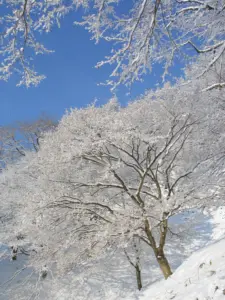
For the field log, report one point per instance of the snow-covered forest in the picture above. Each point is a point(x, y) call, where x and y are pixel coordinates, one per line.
point(118, 201)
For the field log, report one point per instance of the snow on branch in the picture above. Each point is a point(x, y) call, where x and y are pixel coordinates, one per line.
point(150, 32)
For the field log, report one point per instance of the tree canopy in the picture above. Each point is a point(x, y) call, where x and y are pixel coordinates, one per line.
point(110, 175)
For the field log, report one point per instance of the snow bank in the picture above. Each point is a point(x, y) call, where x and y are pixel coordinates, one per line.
point(200, 277)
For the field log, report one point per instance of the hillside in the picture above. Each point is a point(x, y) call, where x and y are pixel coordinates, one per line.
point(200, 277)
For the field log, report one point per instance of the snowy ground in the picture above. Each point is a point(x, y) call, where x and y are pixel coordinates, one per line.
point(200, 277)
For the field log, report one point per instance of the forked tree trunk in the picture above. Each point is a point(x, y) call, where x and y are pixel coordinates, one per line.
point(164, 265)
point(159, 250)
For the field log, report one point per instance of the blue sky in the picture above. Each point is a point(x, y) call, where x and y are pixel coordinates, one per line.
point(71, 78)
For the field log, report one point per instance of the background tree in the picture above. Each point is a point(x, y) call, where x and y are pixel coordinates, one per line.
point(33, 132)
point(24, 136)
point(18, 145)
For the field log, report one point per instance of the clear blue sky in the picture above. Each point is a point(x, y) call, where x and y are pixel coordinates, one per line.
point(71, 78)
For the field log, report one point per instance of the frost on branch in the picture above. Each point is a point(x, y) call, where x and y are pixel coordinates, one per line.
point(149, 32)
point(22, 22)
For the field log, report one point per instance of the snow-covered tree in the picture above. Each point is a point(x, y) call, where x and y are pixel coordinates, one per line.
point(32, 132)
point(149, 32)
point(16, 140)
point(109, 174)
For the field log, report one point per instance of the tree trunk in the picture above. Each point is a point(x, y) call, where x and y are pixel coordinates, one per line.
point(159, 250)
point(138, 277)
point(164, 265)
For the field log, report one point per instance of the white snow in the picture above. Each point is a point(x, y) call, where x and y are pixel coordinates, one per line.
point(218, 223)
point(200, 277)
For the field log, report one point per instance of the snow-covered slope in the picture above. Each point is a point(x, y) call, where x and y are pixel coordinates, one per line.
point(200, 277)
